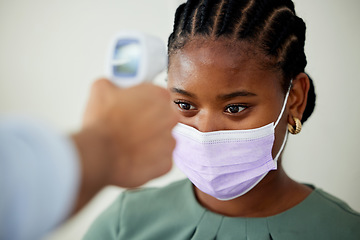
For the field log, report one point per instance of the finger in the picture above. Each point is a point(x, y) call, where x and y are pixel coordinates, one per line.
point(103, 85)
point(155, 91)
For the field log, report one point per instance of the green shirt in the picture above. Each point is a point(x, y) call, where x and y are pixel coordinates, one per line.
point(173, 213)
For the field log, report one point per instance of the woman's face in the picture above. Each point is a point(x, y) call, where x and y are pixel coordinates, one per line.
point(216, 87)
point(219, 88)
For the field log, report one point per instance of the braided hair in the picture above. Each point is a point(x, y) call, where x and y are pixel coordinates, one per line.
point(271, 26)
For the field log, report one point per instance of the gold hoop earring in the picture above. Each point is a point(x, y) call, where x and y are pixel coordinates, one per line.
point(297, 128)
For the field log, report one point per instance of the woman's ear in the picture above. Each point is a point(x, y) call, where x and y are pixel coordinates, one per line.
point(298, 97)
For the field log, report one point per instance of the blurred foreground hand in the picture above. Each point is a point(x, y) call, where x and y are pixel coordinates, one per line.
point(46, 177)
point(126, 137)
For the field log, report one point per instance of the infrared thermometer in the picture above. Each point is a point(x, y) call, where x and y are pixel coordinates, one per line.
point(135, 57)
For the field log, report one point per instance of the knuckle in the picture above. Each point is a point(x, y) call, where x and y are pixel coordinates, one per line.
point(169, 166)
point(175, 119)
point(100, 85)
point(161, 92)
point(166, 166)
point(172, 143)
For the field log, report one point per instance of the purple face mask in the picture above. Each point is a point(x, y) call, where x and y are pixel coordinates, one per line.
point(226, 164)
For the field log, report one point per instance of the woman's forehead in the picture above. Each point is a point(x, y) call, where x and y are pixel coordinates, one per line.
point(222, 53)
point(219, 65)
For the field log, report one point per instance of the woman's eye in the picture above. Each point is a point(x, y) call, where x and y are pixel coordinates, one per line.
point(185, 106)
point(232, 109)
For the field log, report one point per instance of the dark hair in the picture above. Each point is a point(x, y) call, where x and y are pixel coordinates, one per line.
point(270, 25)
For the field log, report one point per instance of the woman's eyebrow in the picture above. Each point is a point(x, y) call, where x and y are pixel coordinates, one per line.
point(235, 94)
point(183, 92)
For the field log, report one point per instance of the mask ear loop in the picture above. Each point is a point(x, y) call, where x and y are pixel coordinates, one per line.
point(278, 120)
point(284, 104)
point(281, 148)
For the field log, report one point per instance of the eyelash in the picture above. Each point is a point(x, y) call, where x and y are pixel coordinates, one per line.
point(183, 102)
point(240, 106)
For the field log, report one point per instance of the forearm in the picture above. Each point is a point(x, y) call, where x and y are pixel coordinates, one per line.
point(94, 147)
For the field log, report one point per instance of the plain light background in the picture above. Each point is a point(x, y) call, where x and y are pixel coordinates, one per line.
point(51, 52)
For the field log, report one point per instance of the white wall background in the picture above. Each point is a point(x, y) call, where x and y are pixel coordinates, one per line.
point(51, 51)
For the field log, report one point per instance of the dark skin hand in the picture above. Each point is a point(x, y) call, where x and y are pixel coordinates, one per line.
point(219, 87)
point(116, 146)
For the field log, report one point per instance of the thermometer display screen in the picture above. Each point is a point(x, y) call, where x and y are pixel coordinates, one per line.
point(126, 58)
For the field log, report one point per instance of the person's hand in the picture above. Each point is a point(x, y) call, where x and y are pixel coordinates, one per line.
point(126, 138)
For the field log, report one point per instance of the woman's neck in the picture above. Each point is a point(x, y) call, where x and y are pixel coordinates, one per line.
point(276, 193)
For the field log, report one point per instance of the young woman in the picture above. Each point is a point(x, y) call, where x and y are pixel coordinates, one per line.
point(236, 75)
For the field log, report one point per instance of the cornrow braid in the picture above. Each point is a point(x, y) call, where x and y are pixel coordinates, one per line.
point(230, 15)
point(189, 13)
point(271, 26)
point(206, 10)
